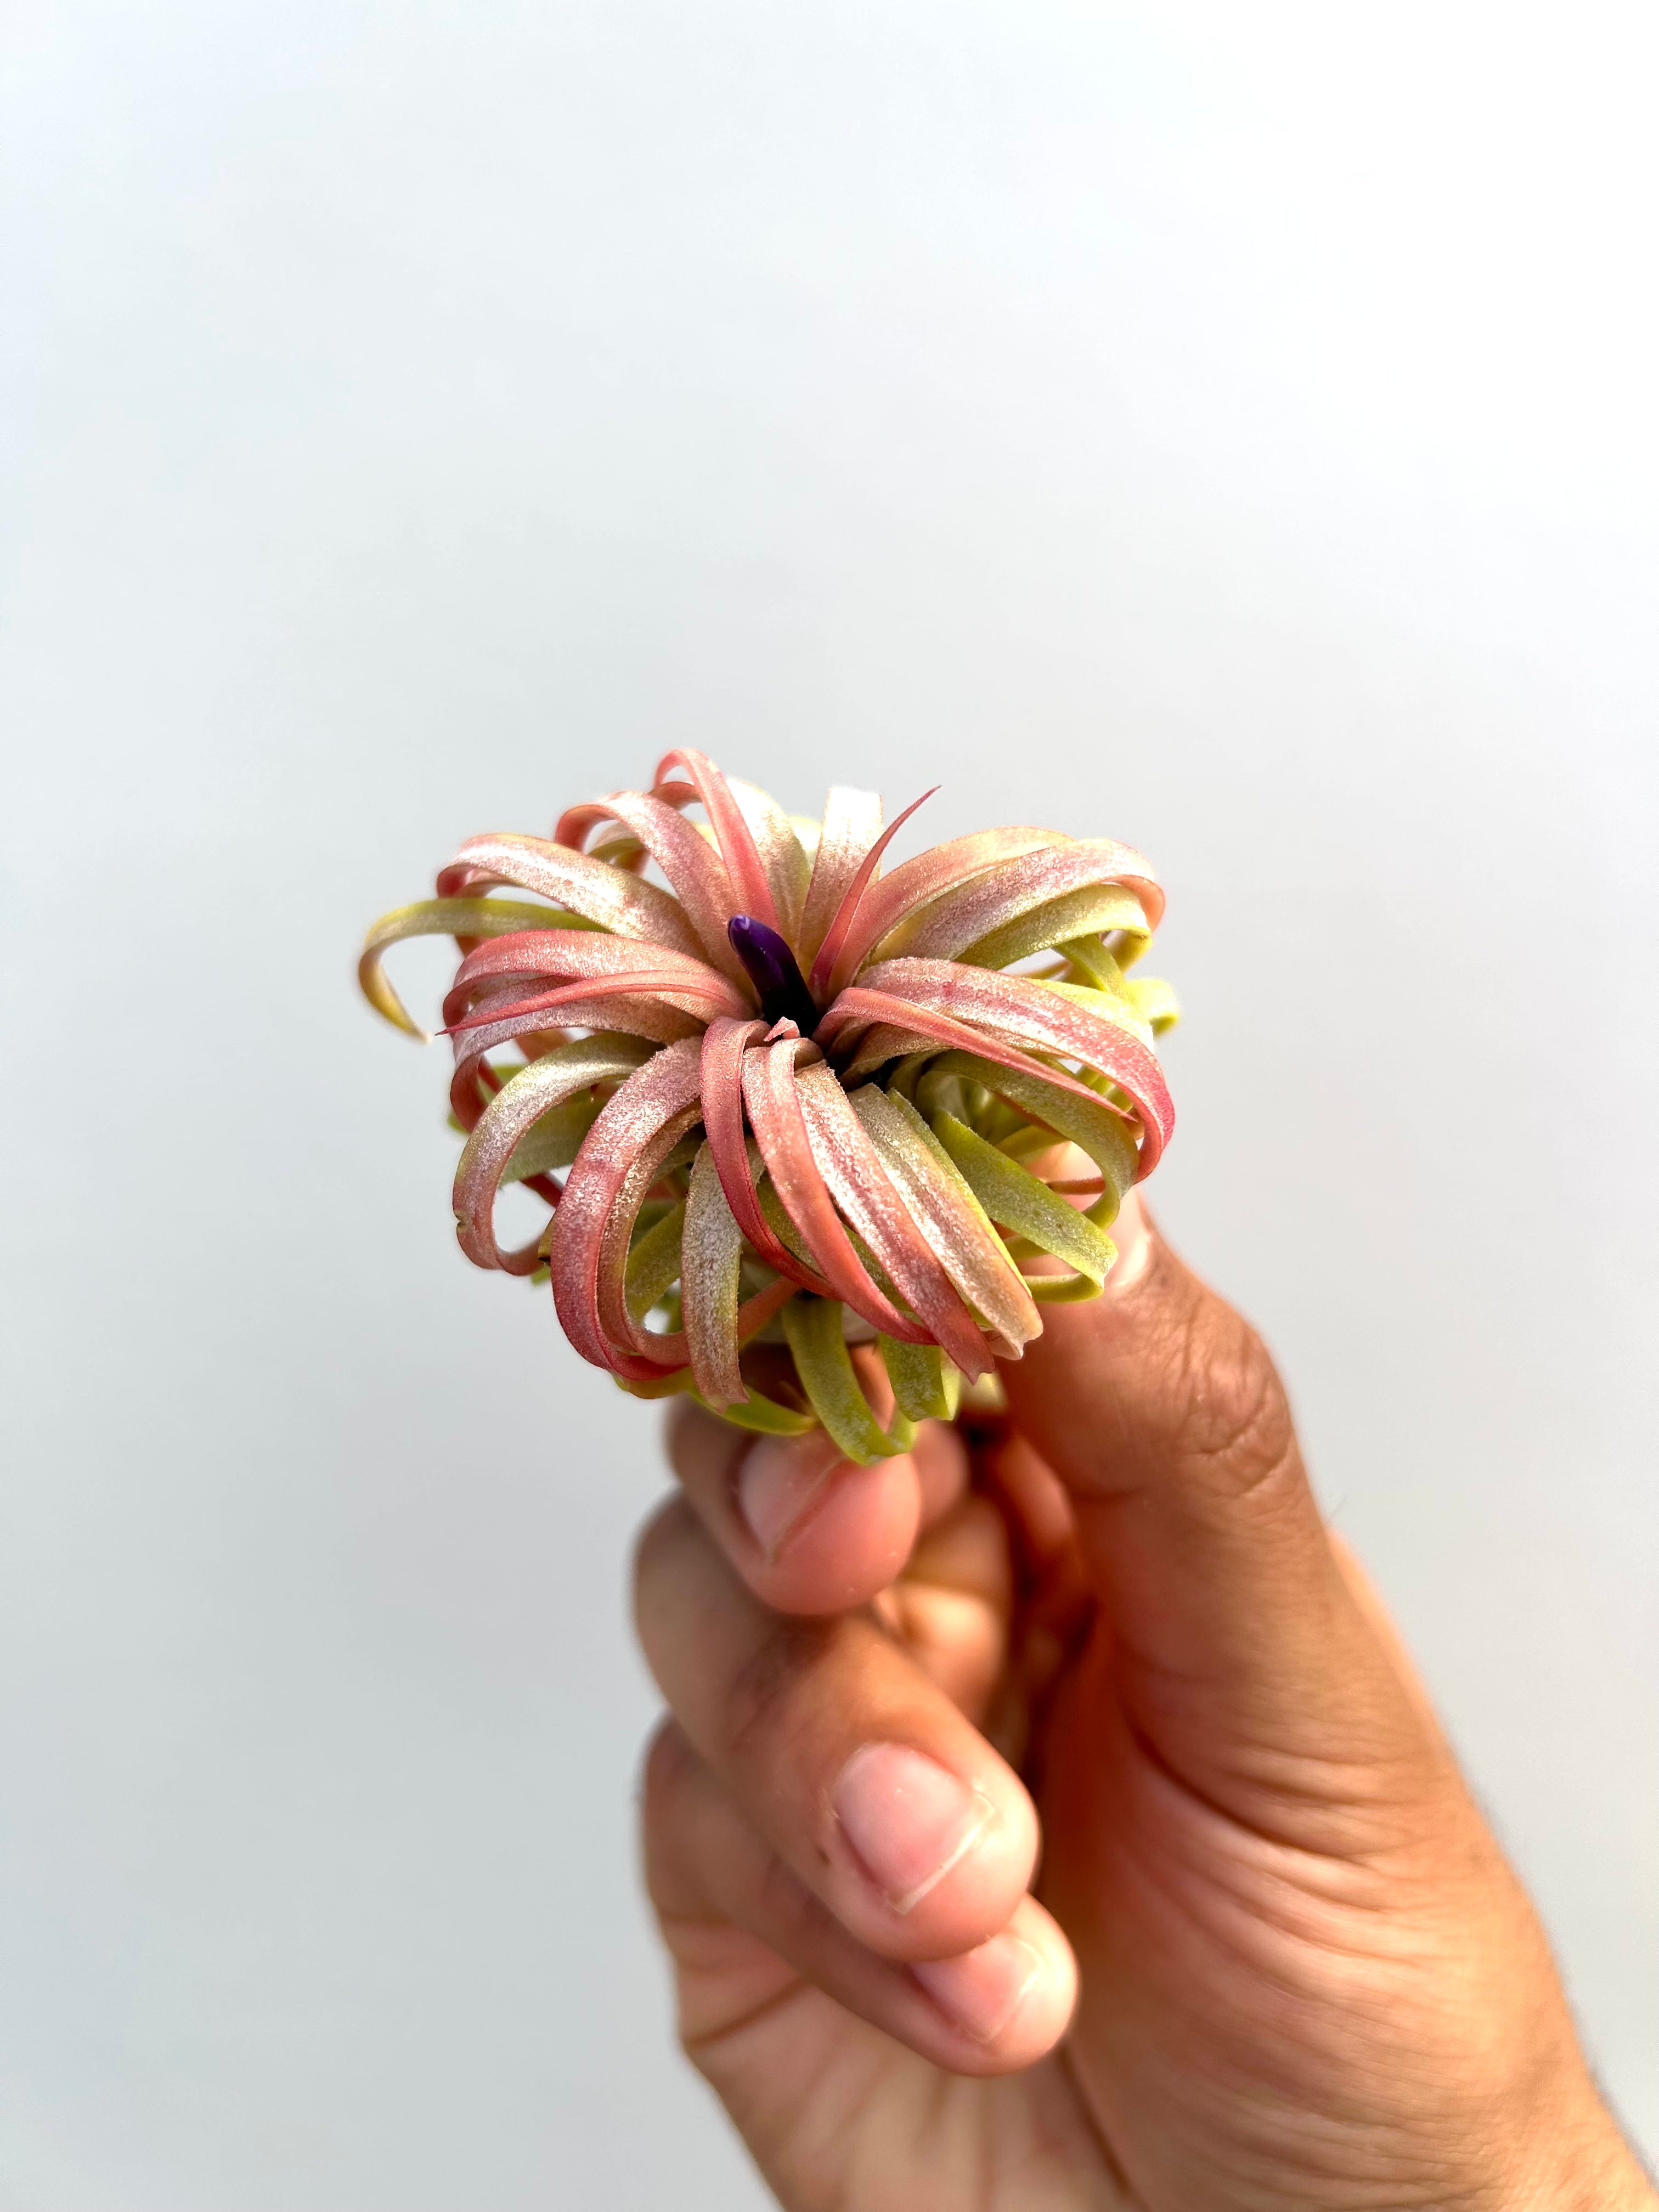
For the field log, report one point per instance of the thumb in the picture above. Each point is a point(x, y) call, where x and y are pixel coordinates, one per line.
point(1237, 1641)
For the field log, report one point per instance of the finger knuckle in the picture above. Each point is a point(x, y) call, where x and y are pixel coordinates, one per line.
point(794, 1918)
point(667, 1773)
point(658, 1550)
point(667, 1779)
point(695, 1441)
point(661, 1531)
point(1233, 1419)
point(762, 1695)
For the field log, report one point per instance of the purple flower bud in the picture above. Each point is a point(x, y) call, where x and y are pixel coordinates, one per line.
point(775, 973)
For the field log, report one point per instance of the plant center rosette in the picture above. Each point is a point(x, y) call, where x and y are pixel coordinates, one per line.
point(816, 1123)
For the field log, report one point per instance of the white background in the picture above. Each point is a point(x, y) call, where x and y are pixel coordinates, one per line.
point(1230, 428)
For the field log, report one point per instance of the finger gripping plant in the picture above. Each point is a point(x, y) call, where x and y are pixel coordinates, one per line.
point(807, 1113)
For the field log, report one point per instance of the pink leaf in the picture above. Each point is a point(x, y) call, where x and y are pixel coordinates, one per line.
point(586, 959)
point(774, 1112)
point(833, 955)
point(862, 1188)
point(635, 1015)
point(608, 895)
point(629, 1128)
point(711, 1262)
point(694, 868)
point(1022, 1013)
point(711, 1259)
point(912, 1027)
point(732, 834)
point(852, 823)
point(625, 1336)
point(914, 883)
point(571, 953)
point(529, 1094)
point(725, 1045)
point(950, 1218)
point(781, 852)
point(1013, 887)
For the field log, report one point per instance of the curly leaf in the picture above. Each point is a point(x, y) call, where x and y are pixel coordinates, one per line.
point(444, 917)
point(813, 1327)
point(1013, 1195)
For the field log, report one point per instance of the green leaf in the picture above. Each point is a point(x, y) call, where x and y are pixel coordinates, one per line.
point(1095, 1130)
point(653, 1262)
point(916, 1372)
point(761, 1413)
point(458, 917)
point(554, 1140)
point(1154, 1000)
point(1093, 908)
point(813, 1327)
point(1013, 1196)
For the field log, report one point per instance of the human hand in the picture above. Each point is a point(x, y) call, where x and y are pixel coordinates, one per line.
point(1274, 1959)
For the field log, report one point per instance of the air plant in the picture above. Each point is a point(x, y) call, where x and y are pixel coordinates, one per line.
point(818, 1121)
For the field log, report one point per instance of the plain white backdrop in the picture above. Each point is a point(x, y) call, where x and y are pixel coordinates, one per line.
point(1229, 428)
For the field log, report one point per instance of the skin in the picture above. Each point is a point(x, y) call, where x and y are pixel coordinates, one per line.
point(1273, 1961)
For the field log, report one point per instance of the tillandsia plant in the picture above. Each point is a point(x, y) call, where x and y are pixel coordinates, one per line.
point(819, 1123)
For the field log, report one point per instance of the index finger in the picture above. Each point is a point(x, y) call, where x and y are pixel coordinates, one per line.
point(809, 1531)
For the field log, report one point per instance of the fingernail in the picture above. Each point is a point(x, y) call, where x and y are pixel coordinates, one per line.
point(778, 1479)
point(981, 1992)
point(907, 1820)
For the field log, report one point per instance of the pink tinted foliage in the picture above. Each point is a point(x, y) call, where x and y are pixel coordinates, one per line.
point(728, 1061)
